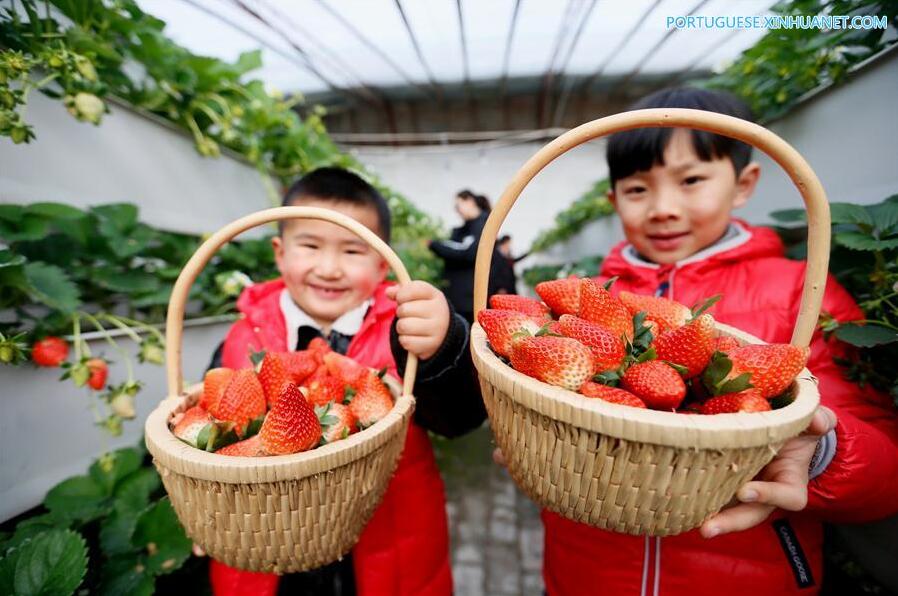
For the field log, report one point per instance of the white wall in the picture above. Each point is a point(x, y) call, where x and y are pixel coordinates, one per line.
point(431, 176)
point(127, 158)
point(848, 134)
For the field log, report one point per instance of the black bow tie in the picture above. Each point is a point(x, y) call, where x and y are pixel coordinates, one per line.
point(338, 342)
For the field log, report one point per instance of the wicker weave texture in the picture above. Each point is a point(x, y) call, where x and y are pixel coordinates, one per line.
point(286, 526)
point(279, 514)
point(628, 470)
point(616, 484)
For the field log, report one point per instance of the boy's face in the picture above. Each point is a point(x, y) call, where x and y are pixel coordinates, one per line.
point(673, 211)
point(329, 270)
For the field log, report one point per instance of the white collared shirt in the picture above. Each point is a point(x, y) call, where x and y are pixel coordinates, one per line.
point(348, 324)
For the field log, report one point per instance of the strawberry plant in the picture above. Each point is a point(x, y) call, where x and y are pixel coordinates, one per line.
point(864, 259)
point(66, 271)
point(85, 53)
point(109, 531)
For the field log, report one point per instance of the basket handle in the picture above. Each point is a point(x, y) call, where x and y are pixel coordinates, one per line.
point(784, 154)
point(174, 323)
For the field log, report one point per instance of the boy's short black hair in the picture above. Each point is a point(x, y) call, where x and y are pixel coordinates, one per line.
point(340, 186)
point(638, 150)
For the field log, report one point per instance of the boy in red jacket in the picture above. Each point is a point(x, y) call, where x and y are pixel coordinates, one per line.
point(674, 190)
point(332, 285)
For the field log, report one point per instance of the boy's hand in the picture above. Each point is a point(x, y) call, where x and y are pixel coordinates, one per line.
point(783, 483)
point(422, 317)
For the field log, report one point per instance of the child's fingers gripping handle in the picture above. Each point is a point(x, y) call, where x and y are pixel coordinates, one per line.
point(174, 323)
point(784, 154)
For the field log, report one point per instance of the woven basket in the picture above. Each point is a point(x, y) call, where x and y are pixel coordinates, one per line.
point(286, 513)
point(629, 470)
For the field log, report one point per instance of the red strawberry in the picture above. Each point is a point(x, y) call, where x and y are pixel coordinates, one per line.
point(524, 304)
point(274, 375)
point(50, 351)
point(99, 370)
point(668, 314)
point(501, 325)
point(372, 402)
point(318, 347)
point(560, 361)
point(773, 367)
point(251, 447)
point(301, 365)
point(214, 385)
point(607, 349)
point(291, 425)
point(597, 305)
point(190, 424)
point(343, 368)
point(325, 390)
point(243, 400)
point(656, 383)
point(612, 394)
point(337, 421)
point(561, 295)
point(725, 343)
point(749, 400)
point(690, 346)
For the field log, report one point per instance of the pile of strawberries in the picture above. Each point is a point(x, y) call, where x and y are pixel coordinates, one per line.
point(639, 351)
point(295, 402)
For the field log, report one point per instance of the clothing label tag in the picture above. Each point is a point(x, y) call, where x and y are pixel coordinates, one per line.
point(799, 563)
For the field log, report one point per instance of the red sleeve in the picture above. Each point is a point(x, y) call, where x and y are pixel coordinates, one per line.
point(861, 482)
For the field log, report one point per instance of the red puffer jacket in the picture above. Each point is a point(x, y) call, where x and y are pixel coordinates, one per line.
point(404, 549)
point(761, 291)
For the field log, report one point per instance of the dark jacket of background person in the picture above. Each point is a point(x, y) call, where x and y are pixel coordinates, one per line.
point(459, 253)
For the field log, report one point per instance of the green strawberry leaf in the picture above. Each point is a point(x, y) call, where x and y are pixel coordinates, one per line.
point(789, 215)
point(202, 438)
point(348, 394)
point(254, 426)
point(222, 435)
point(677, 367)
point(131, 498)
point(610, 378)
point(79, 498)
point(31, 527)
point(849, 213)
point(115, 466)
point(642, 333)
point(159, 533)
point(649, 354)
point(698, 311)
point(53, 562)
point(717, 370)
point(382, 373)
point(56, 211)
point(127, 574)
point(50, 285)
point(740, 383)
point(866, 336)
point(256, 357)
point(608, 284)
point(324, 415)
point(543, 332)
